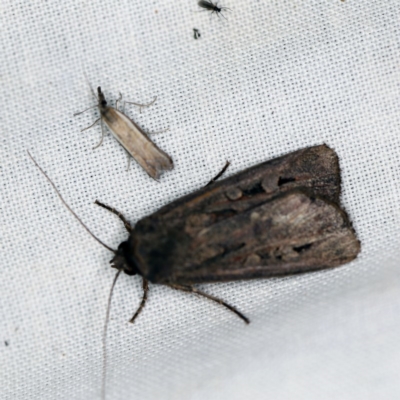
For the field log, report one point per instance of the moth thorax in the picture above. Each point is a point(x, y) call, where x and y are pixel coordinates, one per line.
point(102, 100)
point(123, 261)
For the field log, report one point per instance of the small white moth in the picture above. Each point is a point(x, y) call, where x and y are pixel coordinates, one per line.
point(146, 153)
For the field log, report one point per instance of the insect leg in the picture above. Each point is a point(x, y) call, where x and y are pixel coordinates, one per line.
point(158, 132)
point(117, 213)
point(129, 161)
point(219, 173)
point(191, 289)
point(222, 15)
point(119, 99)
point(91, 126)
point(145, 285)
point(142, 105)
point(102, 136)
point(81, 112)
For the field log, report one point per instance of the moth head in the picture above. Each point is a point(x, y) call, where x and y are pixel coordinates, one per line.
point(123, 260)
point(102, 99)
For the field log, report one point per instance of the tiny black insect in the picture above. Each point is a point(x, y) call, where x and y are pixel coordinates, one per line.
point(196, 33)
point(208, 5)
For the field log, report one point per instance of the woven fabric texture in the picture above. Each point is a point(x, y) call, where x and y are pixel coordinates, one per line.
point(273, 77)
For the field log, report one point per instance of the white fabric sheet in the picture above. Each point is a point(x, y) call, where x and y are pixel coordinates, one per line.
point(274, 77)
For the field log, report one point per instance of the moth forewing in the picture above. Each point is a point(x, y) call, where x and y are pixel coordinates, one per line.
point(291, 233)
point(220, 231)
point(313, 168)
point(138, 145)
point(151, 158)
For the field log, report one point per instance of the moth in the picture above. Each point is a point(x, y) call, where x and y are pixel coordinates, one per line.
point(277, 218)
point(132, 138)
point(208, 5)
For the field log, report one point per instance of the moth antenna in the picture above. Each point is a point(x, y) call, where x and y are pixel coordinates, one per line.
point(191, 289)
point(103, 382)
point(91, 89)
point(90, 86)
point(67, 206)
point(145, 285)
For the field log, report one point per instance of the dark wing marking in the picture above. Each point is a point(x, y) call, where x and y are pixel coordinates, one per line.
point(313, 168)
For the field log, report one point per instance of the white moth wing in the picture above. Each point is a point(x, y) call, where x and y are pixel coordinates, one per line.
point(151, 158)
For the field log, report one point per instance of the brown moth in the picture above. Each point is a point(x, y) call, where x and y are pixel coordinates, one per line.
point(277, 218)
point(136, 142)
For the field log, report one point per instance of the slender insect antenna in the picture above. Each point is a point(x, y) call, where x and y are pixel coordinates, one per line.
point(94, 95)
point(90, 86)
point(67, 206)
point(103, 383)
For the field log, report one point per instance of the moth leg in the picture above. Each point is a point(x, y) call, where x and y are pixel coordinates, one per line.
point(81, 112)
point(118, 100)
point(219, 173)
point(145, 285)
point(129, 161)
point(142, 105)
point(191, 289)
point(102, 137)
point(91, 126)
point(156, 133)
point(127, 225)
